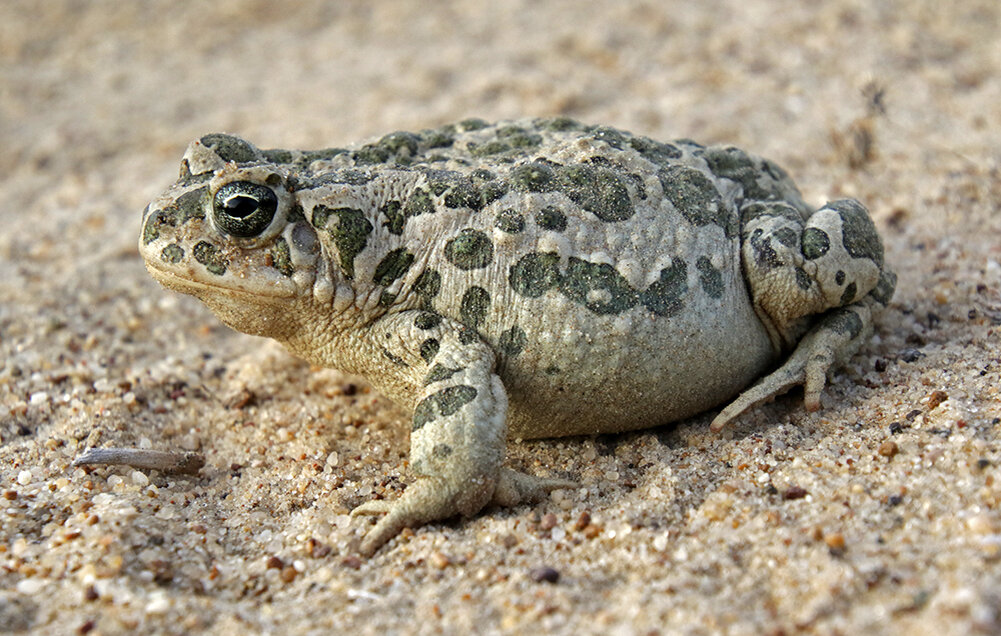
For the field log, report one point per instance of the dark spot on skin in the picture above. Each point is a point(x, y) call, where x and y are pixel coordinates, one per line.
point(474, 306)
point(610, 136)
point(277, 155)
point(786, 236)
point(464, 194)
point(441, 451)
point(736, 165)
point(532, 177)
point(512, 341)
point(429, 349)
point(471, 249)
point(393, 211)
point(883, 291)
point(493, 191)
point(350, 233)
point(395, 359)
point(844, 321)
point(427, 286)
point(758, 209)
point(849, 294)
point(304, 238)
point(816, 243)
point(710, 277)
point(440, 138)
point(295, 214)
point(419, 203)
point(230, 148)
point(371, 154)
point(552, 370)
point(493, 147)
point(803, 279)
point(764, 254)
point(400, 143)
point(467, 336)
point(550, 218)
point(839, 277)
point(664, 297)
point(281, 258)
point(655, 151)
point(190, 205)
point(211, 257)
point(427, 320)
point(438, 373)
point(558, 124)
point(696, 198)
point(386, 299)
point(444, 403)
point(392, 266)
point(510, 221)
point(534, 274)
point(325, 154)
point(858, 231)
point(600, 191)
point(583, 279)
point(473, 123)
point(173, 253)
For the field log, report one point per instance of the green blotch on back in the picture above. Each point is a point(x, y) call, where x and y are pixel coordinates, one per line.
point(534, 274)
point(392, 266)
point(883, 291)
point(471, 249)
point(696, 198)
point(474, 306)
point(419, 203)
point(349, 233)
point(600, 191)
point(393, 211)
point(664, 297)
point(551, 218)
point(532, 177)
point(509, 221)
point(211, 257)
point(427, 286)
point(710, 277)
point(281, 258)
point(597, 286)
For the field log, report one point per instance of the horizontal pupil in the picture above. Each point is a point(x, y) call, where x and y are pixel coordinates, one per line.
point(240, 206)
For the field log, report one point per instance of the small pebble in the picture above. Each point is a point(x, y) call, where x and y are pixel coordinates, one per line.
point(544, 574)
point(794, 492)
point(288, 574)
point(274, 563)
point(548, 521)
point(936, 398)
point(888, 448)
point(835, 541)
point(582, 521)
point(24, 477)
point(439, 560)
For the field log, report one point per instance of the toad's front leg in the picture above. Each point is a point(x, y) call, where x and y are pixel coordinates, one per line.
point(459, 426)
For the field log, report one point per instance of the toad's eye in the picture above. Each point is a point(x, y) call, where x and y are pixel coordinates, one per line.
point(243, 208)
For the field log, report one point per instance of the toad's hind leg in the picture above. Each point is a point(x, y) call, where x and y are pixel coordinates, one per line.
point(816, 285)
point(459, 428)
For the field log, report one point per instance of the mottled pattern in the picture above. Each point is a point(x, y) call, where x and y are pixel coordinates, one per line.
point(530, 278)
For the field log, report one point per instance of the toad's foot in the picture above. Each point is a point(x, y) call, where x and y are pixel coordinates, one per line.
point(832, 341)
point(433, 498)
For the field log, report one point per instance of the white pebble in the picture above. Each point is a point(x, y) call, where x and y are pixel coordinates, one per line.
point(39, 398)
point(139, 478)
point(24, 477)
point(30, 586)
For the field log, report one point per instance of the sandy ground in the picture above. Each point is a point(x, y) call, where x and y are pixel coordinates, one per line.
point(881, 513)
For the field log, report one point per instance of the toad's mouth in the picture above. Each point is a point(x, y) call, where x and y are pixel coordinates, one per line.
point(270, 293)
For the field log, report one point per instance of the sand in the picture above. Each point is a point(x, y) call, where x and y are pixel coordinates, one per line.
point(880, 513)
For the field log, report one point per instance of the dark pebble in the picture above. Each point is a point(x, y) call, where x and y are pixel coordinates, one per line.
point(911, 355)
point(796, 492)
point(544, 575)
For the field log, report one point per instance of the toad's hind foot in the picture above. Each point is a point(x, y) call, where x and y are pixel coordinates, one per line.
point(832, 341)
